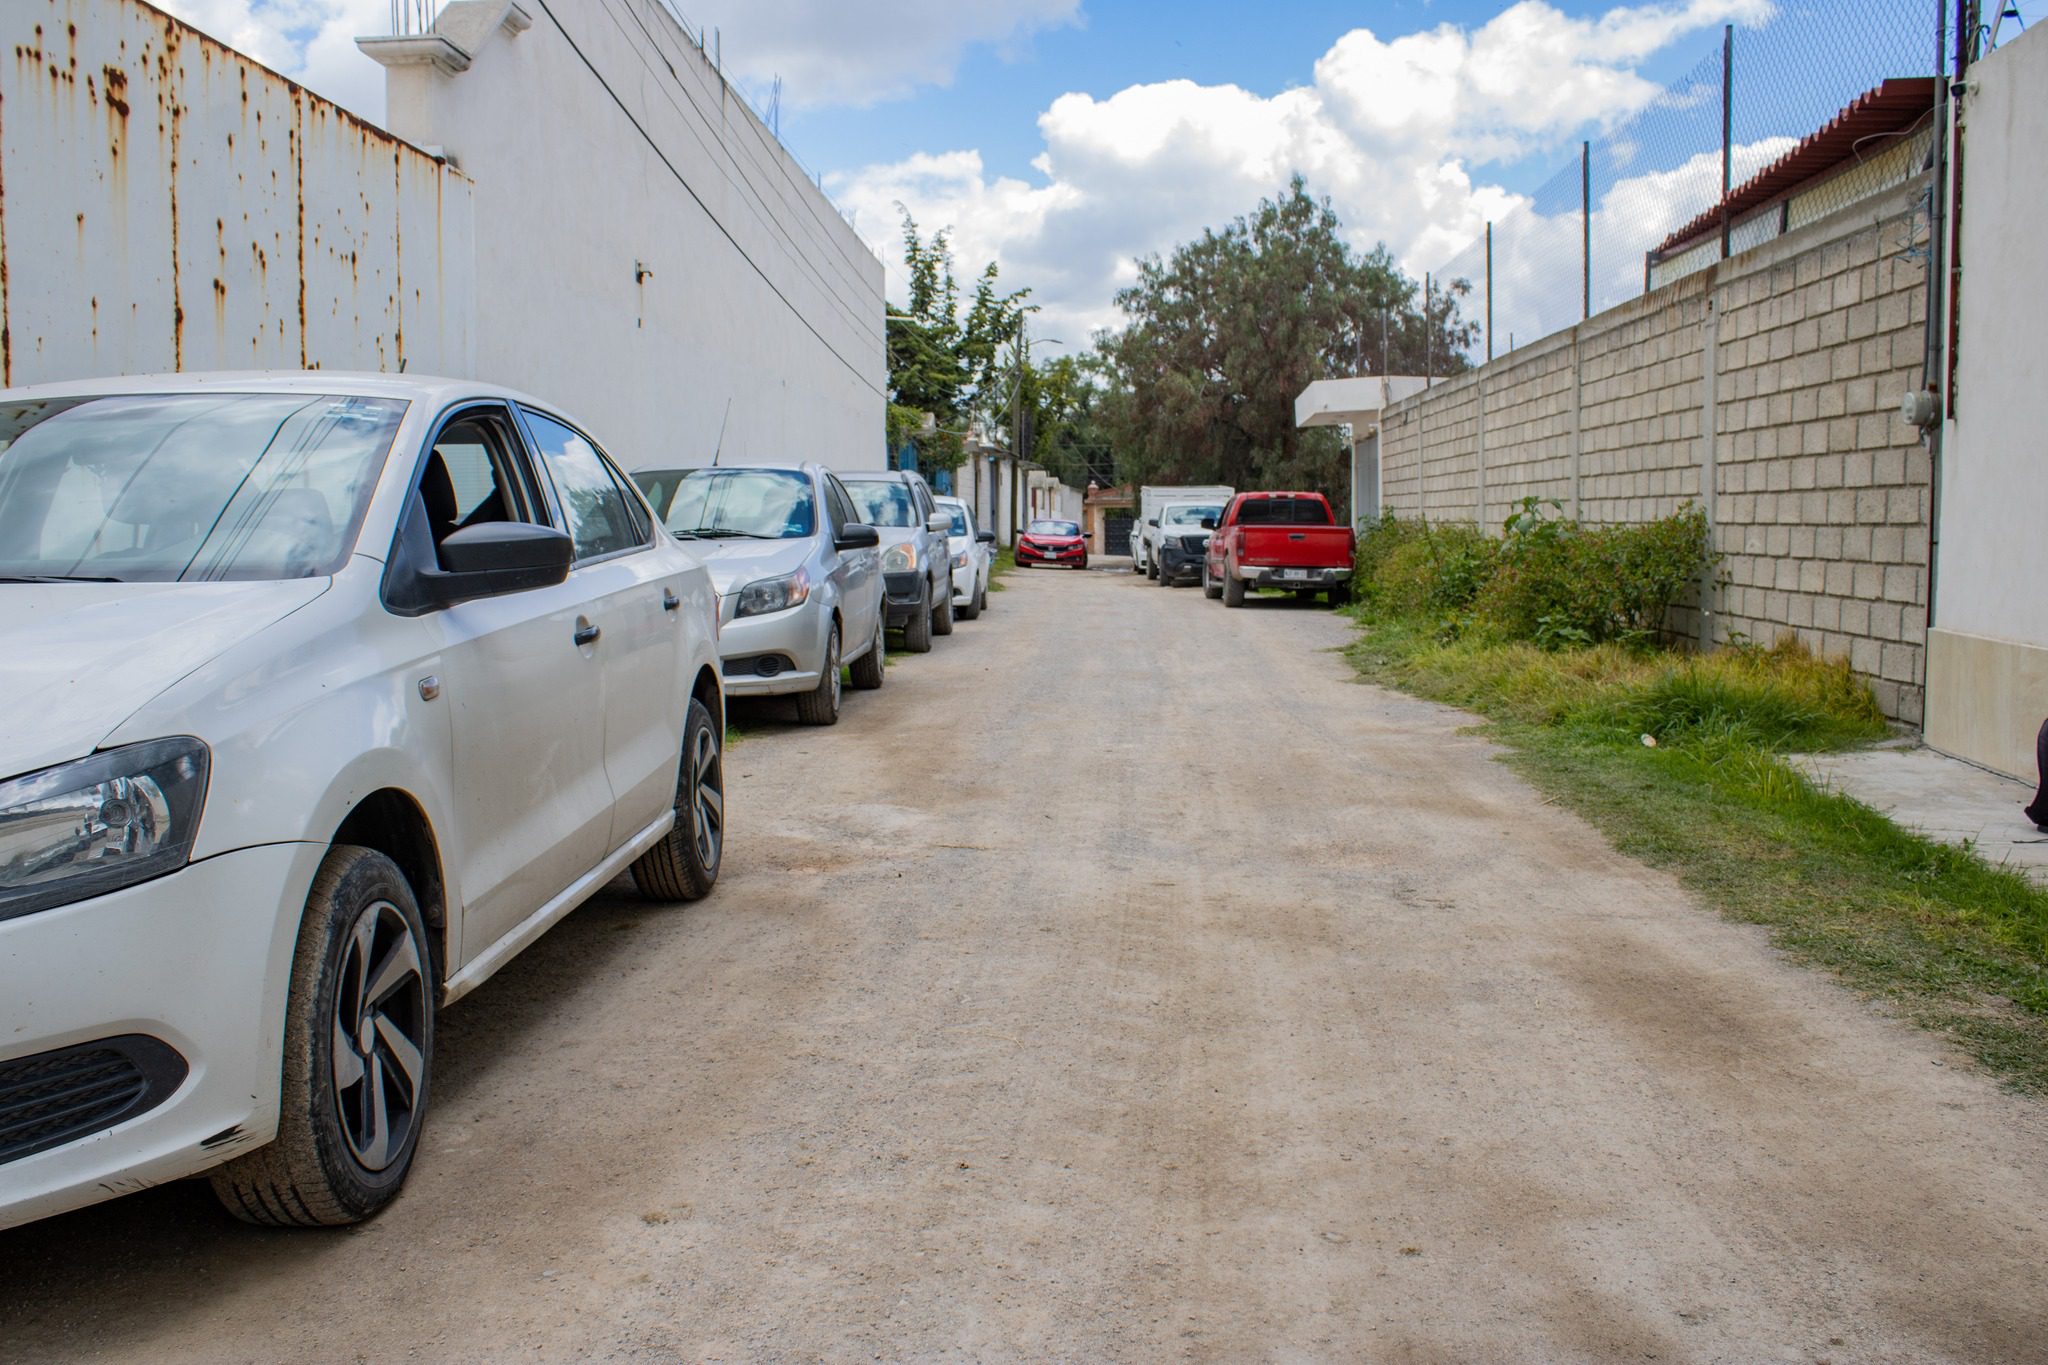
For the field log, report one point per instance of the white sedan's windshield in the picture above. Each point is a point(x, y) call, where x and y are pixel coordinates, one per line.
point(958, 516)
point(187, 487)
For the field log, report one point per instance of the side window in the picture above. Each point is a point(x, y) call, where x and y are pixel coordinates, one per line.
point(835, 515)
point(601, 519)
point(844, 513)
point(476, 472)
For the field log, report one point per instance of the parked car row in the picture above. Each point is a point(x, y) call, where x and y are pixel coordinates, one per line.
point(334, 692)
point(813, 568)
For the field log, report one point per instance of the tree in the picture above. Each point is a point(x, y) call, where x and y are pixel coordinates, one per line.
point(1222, 336)
point(941, 364)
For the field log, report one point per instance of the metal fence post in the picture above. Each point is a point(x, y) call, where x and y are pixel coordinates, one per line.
point(1727, 132)
point(1489, 292)
point(1586, 227)
point(1428, 341)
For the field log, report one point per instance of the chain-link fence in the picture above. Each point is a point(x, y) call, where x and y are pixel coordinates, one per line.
point(1822, 104)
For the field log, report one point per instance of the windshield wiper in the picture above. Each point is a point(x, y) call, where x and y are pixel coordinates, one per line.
point(56, 578)
point(717, 532)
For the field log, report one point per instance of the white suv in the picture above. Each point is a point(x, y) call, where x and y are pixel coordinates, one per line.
point(331, 694)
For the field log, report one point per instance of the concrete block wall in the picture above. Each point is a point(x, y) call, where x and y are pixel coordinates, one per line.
point(1824, 494)
point(1764, 390)
point(1529, 427)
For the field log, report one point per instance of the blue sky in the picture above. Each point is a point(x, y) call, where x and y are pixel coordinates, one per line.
point(993, 100)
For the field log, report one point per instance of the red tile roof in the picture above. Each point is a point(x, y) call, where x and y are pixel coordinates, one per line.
point(1891, 107)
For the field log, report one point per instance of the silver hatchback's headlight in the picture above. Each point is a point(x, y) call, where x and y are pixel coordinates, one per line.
point(900, 559)
point(773, 594)
point(83, 829)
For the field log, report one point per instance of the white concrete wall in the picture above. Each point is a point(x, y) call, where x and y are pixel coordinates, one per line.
point(603, 143)
point(170, 205)
point(1988, 663)
point(1994, 468)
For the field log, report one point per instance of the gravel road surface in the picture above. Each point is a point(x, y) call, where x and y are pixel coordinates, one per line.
point(1125, 982)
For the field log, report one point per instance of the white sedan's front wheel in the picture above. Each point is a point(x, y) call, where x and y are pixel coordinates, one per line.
point(684, 865)
point(358, 1050)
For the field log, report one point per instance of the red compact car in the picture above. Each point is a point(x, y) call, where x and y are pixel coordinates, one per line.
point(1052, 542)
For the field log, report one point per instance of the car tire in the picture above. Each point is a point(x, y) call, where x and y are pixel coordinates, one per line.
point(820, 705)
point(684, 865)
point(870, 668)
point(1209, 588)
point(1233, 590)
point(1164, 578)
point(942, 611)
point(982, 601)
point(970, 611)
point(917, 630)
point(343, 1149)
point(1340, 596)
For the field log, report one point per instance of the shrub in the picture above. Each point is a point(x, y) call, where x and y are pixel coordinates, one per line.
point(1411, 568)
point(1560, 583)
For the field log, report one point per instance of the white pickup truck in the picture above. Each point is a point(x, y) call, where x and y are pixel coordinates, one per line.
point(1153, 503)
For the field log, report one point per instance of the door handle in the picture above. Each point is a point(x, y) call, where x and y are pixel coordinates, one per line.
point(669, 601)
point(586, 633)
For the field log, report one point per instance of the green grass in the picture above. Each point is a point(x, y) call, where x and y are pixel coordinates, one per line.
point(1005, 562)
point(1951, 942)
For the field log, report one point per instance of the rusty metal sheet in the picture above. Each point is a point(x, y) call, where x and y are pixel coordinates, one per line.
point(167, 204)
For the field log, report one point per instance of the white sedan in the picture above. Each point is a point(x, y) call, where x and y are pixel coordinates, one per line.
point(331, 693)
point(971, 552)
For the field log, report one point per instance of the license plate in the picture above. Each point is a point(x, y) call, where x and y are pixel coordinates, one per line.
point(1294, 573)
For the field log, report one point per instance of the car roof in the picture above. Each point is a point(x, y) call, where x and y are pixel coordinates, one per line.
point(771, 466)
point(353, 383)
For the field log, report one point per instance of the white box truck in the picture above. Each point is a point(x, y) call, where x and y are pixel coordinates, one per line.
point(1152, 501)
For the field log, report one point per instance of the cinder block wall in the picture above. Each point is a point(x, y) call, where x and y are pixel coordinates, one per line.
point(1766, 391)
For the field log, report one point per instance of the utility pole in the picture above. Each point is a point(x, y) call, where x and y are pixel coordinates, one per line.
point(1017, 440)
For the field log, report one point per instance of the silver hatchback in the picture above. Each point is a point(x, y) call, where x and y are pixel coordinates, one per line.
point(798, 576)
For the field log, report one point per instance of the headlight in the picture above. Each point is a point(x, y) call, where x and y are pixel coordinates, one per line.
point(960, 560)
point(83, 829)
point(773, 594)
point(900, 559)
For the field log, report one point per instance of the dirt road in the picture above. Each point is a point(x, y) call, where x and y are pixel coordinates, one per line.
point(1328, 1041)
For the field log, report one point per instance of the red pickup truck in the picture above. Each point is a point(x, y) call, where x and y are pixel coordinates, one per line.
point(1279, 540)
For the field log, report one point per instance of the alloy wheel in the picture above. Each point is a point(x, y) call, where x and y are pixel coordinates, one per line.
point(380, 1022)
point(706, 788)
point(832, 666)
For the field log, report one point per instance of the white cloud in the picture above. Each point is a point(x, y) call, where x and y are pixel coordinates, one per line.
point(1387, 130)
point(311, 41)
point(829, 52)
